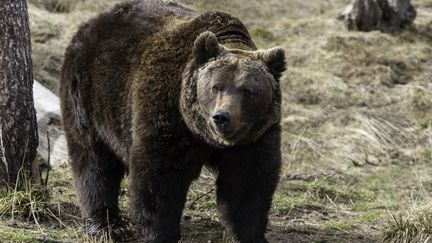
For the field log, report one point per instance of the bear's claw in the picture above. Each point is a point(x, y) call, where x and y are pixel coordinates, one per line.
point(114, 228)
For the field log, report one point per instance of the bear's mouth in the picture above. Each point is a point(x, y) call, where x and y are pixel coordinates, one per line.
point(230, 135)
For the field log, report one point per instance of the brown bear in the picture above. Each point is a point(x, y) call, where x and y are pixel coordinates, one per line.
point(152, 89)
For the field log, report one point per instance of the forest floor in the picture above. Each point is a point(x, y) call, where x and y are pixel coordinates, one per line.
point(357, 129)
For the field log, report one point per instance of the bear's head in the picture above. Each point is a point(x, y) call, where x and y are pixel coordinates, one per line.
point(231, 96)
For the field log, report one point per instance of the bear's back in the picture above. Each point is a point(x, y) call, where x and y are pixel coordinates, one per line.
point(95, 83)
point(117, 34)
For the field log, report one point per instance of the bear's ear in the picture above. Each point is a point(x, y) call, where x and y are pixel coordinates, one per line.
point(206, 46)
point(274, 58)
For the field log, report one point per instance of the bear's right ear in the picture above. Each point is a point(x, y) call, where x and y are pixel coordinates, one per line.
point(274, 58)
point(206, 46)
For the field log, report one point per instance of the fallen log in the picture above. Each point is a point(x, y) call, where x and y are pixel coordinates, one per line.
point(52, 143)
point(383, 15)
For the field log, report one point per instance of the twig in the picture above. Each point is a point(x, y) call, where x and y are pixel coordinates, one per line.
point(192, 204)
point(48, 161)
point(32, 209)
point(57, 218)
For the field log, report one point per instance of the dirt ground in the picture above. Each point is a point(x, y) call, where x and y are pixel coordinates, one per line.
point(357, 127)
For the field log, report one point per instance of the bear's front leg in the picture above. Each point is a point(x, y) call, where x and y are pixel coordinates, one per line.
point(247, 178)
point(160, 175)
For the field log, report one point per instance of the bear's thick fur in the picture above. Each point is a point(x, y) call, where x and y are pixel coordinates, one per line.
point(151, 88)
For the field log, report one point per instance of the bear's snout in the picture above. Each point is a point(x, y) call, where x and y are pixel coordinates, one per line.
point(221, 118)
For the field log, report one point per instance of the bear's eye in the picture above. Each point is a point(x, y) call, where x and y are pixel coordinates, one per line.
point(216, 88)
point(246, 92)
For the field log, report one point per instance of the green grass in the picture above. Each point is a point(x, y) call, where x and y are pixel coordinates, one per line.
point(9, 234)
point(370, 217)
point(360, 207)
point(336, 225)
point(259, 32)
point(283, 204)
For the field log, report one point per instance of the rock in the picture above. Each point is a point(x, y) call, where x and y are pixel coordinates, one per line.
point(47, 106)
point(383, 15)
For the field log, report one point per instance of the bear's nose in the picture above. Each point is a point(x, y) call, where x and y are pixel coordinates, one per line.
point(221, 119)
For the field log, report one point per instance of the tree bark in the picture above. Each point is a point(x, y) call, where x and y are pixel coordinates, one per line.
point(383, 15)
point(18, 128)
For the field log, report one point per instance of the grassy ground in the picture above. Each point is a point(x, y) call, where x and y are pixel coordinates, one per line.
point(357, 128)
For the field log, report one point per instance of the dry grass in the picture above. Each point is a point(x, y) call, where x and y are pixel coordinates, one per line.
point(414, 226)
point(56, 6)
point(52, 31)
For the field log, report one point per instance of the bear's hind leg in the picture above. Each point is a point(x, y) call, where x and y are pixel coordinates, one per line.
point(97, 175)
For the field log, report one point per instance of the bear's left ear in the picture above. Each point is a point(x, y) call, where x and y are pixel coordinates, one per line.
point(274, 58)
point(206, 46)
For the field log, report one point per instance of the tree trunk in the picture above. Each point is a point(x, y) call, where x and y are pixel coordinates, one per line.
point(383, 15)
point(18, 129)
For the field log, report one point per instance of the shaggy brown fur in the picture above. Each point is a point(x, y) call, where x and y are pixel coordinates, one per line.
point(138, 94)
